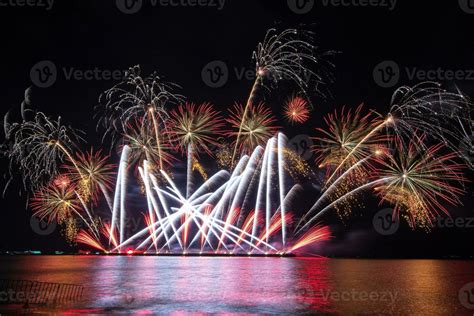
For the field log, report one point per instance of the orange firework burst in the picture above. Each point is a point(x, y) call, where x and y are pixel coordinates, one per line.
point(255, 130)
point(316, 234)
point(296, 110)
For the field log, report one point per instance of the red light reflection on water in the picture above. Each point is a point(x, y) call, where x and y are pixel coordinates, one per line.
point(141, 284)
point(212, 284)
point(164, 285)
point(312, 279)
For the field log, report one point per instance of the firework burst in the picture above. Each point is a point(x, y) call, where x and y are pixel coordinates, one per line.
point(257, 128)
point(284, 56)
point(196, 127)
point(141, 139)
point(420, 184)
point(135, 99)
point(287, 55)
point(37, 147)
point(193, 129)
point(55, 203)
point(442, 116)
point(62, 181)
point(345, 141)
point(296, 110)
point(93, 174)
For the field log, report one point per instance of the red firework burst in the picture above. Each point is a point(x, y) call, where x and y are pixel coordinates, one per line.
point(296, 110)
point(62, 181)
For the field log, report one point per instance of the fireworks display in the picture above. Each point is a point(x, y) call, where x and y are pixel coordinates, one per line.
point(247, 203)
point(285, 56)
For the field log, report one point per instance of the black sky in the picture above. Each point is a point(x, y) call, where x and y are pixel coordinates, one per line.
point(178, 41)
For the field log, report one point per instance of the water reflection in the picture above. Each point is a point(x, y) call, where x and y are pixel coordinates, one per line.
point(251, 285)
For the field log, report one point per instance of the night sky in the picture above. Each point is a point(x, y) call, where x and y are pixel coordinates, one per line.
point(178, 41)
